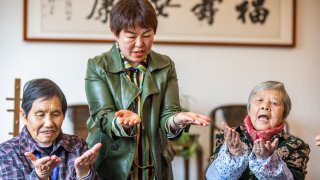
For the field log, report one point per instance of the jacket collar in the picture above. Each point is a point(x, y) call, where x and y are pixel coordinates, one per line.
point(27, 143)
point(115, 64)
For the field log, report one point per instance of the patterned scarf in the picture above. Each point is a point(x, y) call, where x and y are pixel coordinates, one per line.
point(265, 134)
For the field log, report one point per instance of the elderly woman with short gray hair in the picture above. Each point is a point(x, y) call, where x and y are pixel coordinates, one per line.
point(260, 148)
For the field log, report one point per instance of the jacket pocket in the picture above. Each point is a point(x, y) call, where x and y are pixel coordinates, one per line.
point(97, 136)
point(166, 148)
point(168, 153)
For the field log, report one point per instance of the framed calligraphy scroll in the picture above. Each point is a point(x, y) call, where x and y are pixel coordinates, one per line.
point(194, 22)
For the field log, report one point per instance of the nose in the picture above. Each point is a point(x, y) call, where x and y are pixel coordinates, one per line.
point(265, 106)
point(48, 121)
point(139, 42)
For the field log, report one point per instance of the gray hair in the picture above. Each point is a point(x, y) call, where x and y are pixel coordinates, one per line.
point(272, 85)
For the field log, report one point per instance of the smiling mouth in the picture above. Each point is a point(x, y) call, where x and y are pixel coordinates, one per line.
point(48, 133)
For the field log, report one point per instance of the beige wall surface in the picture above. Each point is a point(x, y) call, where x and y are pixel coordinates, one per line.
point(208, 75)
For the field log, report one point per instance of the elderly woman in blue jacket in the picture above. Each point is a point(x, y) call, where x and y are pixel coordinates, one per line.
point(260, 149)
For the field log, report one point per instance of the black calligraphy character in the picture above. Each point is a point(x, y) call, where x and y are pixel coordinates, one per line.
point(159, 7)
point(49, 7)
point(103, 11)
point(259, 14)
point(68, 9)
point(206, 10)
point(242, 8)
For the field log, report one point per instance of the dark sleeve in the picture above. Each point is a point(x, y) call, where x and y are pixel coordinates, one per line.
point(296, 155)
point(13, 166)
point(170, 102)
point(219, 140)
point(298, 161)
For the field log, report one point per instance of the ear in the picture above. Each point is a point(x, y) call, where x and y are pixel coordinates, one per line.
point(23, 116)
point(114, 35)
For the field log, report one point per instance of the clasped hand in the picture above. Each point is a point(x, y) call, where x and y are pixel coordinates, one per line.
point(45, 165)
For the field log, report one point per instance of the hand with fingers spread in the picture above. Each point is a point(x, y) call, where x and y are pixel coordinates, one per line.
point(183, 119)
point(127, 118)
point(317, 138)
point(232, 138)
point(83, 163)
point(43, 166)
point(264, 149)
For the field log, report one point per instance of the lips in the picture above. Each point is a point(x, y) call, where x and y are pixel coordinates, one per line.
point(263, 117)
point(138, 53)
point(48, 132)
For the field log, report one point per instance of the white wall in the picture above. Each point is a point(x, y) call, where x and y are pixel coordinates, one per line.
point(225, 74)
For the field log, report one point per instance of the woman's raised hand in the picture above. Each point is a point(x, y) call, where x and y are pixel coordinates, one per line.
point(127, 118)
point(43, 166)
point(190, 118)
point(83, 163)
point(264, 149)
point(232, 138)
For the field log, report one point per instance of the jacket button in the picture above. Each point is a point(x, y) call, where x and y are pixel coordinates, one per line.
point(114, 147)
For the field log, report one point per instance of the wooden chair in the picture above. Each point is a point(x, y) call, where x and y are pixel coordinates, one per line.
point(233, 115)
point(16, 108)
point(178, 148)
point(79, 115)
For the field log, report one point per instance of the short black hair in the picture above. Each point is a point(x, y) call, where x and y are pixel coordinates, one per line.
point(132, 13)
point(41, 88)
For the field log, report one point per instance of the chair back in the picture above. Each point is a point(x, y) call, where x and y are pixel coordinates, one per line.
point(79, 115)
point(233, 115)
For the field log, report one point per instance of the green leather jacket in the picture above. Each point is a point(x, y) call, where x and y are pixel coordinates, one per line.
point(108, 91)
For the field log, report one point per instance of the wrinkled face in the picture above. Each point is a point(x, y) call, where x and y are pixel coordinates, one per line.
point(135, 44)
point(44, 120)
point(266, 110)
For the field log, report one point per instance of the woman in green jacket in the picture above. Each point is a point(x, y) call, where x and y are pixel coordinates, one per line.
point(133, 96)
